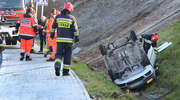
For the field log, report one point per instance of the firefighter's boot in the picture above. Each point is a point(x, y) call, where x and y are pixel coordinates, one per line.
point(28, 58)
point(22, 57)
point(57, 67)
point(46, 51)
point(65, 72)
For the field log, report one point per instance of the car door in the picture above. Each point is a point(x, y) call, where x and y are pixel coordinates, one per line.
point(151, 55)
point(163, 46)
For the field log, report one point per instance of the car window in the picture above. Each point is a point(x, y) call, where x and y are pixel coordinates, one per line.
point(11, 4)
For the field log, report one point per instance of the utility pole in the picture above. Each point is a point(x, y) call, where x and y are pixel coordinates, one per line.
point(42, 10)
point(36, 9)
point(32, 1)
point(54, 3)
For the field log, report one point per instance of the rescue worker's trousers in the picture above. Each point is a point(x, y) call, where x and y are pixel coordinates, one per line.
point(26, 46)
point(52, 44)
point(64, 51)
point(42, 40)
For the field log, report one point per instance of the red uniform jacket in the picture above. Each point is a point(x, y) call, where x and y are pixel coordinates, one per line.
point(26, 30)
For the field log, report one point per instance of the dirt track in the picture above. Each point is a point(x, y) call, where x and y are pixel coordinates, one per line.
point(101, 21)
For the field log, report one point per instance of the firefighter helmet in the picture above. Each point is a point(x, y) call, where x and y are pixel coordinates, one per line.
point(155, 37)
point(68, 6)
point(58, 12)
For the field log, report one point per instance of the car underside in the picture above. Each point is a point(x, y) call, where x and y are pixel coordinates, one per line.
point(127, 63)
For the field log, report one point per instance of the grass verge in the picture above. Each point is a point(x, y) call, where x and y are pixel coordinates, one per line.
point(98, 85)
point(169, 64)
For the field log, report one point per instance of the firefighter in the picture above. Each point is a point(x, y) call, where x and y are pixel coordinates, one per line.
point(149, 40)
point(51, 46)
point(67, 31)
point(26, 26)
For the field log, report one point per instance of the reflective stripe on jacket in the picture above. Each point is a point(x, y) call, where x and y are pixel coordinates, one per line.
point(67, 28)
point(148, 41)
point(26, 26)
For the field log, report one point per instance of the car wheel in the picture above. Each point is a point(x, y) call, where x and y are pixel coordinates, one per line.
point(112, 76)
point(102, 49)
point(133, 36)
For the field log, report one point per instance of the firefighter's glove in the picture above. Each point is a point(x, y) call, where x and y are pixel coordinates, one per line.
point(44, 30)
point(46, 50)
point(155, 49)
point(76, 39)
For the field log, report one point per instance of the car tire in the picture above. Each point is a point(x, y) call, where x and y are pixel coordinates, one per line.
point(133, 36)
point(102, 49)
point(112, 76)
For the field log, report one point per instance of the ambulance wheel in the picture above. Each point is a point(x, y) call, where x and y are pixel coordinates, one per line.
point(14, 42)
point(8, 41)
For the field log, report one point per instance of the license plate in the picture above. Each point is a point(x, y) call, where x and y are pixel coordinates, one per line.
point(149, 81)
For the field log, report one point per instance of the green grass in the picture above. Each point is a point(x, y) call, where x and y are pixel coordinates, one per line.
point(98, 85)
point(169, 63)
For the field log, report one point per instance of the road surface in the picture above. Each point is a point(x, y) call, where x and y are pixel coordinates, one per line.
point(35, 80)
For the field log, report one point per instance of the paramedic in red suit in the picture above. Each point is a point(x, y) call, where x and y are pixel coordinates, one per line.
point(26, 26)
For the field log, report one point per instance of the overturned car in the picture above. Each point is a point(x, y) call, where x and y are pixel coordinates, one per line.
point(127, 63)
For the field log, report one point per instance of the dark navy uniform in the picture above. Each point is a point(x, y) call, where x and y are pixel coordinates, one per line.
point(147, 42)
point(67, 33)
